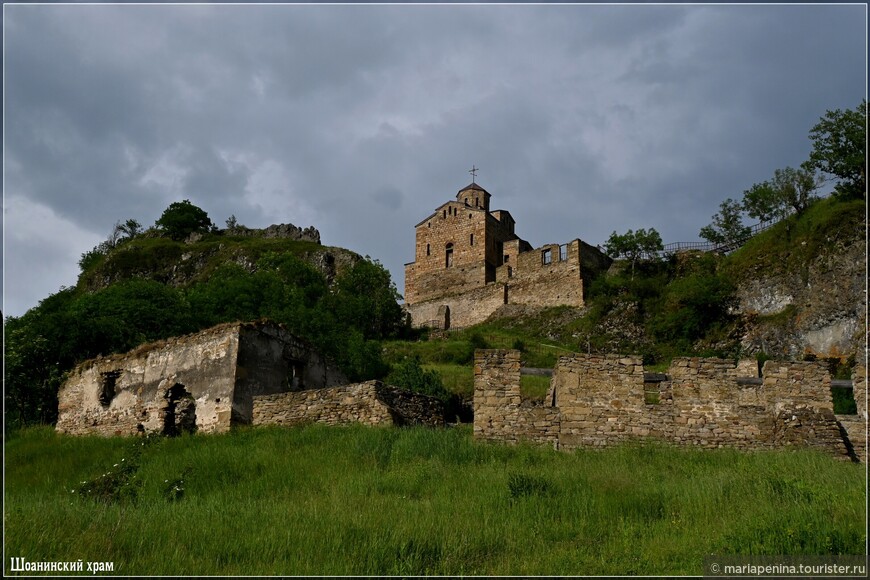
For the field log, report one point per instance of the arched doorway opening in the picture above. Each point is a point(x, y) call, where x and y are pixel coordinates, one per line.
point(179, 415)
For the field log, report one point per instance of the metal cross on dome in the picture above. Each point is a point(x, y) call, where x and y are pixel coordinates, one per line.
point(473, 171)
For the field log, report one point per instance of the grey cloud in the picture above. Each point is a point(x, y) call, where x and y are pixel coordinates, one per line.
point(360, 120)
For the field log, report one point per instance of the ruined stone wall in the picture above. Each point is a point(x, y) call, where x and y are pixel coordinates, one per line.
point(855, 426)
point(600, 400)
point(203, 363)
point(556, 283)
point(370, 403)
point(271, 360)
point(500, 413)
point(859, 382)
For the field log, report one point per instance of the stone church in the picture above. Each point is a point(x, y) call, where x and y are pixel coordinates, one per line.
point(469, 261)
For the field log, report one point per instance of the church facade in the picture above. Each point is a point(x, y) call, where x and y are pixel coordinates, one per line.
point(469, 261)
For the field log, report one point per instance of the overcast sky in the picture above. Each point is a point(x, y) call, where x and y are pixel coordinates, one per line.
point(361, 120)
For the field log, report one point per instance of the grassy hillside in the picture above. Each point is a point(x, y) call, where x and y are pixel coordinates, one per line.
point(369, 501)
point(178, 263)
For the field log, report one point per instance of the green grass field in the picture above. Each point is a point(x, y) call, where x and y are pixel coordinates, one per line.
point(358, 500)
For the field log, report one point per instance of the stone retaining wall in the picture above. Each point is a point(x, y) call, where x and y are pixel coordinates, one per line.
point(370, 403)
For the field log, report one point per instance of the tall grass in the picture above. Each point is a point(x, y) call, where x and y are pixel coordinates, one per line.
point(357, 500)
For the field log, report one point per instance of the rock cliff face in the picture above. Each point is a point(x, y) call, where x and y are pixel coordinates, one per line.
point(816, 307)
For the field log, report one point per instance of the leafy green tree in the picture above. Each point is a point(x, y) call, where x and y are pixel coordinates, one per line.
point(366, 298)
point(727, 229)
point(692, 304)
point(182, 218)
point(840, 149)
point(790, 190)
point(409, 374)
point(634, 246)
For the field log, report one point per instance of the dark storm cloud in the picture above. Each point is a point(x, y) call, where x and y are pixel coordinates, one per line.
point(360, 120)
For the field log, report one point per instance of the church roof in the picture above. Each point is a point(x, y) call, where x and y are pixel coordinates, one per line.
point(474, 186)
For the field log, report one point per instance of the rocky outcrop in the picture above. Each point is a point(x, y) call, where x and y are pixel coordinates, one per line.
point(819, 308)
point(283, 231)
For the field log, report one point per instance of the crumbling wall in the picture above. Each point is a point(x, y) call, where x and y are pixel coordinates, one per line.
point(139, 381)
point(207, 379)
point(855, 426)
point(500, 413)
point(271, 360)
point(600, 400)
point(369, 403)
point(538, 282)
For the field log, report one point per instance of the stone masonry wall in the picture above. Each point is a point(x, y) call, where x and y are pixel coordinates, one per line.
point(856, 425)
point(428, 276)
point(600, 400)
point(370, 403)
point(271, 360)
point(499, 410)
point(556, 283)
point(472, 307)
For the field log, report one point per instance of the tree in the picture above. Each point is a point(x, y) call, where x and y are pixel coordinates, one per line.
point(366, 298)
point(839, 149)
point(182, 218)
point(789, 190)
point(634, 245)
point(130, 228)
point(727, 229)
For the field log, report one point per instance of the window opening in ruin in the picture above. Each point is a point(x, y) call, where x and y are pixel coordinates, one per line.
point(466, 201)
point(507, 258)
point(179, 415)
point(651, 393)
point(427, 250)
point(546, 257)
point(294, 375)
point(563, 252)
point(444, 214)
point(107, 387)
point(469, 216)
point(449, 258)
point(429, 225)
point(510, 272)
point(471, 240)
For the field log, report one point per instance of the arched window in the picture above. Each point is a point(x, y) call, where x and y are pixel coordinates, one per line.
point(448, 261)
point(427, 249)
